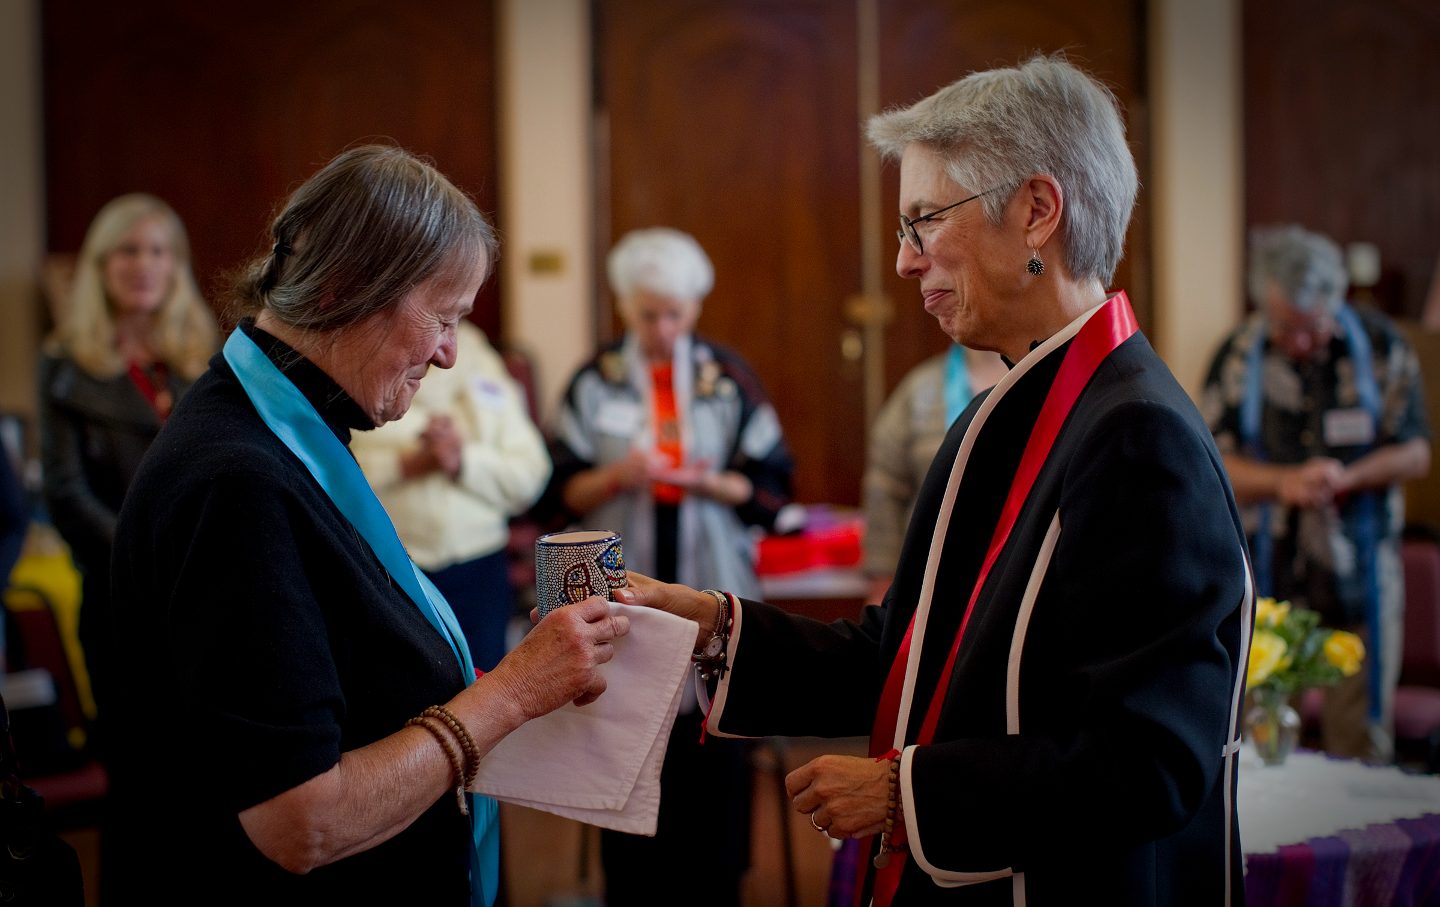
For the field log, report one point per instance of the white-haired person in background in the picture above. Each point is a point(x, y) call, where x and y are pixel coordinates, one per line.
point(1317, 410)
point(670, 439)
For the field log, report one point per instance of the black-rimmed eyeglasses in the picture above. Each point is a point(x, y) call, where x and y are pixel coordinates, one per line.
point(907, 231)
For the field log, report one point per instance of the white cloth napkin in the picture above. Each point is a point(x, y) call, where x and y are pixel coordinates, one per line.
point(600, 763)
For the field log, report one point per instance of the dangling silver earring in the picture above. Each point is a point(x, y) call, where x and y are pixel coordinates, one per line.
point(1035, 266)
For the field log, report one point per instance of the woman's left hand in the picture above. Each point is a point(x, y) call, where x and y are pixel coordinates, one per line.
point(846, 796)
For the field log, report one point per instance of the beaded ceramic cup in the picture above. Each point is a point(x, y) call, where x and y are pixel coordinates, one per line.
point(572, 566)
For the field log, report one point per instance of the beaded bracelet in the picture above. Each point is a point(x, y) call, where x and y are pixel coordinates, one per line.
point(711, 664)
point(892, 808)
point(438, 732)
point(467, 743)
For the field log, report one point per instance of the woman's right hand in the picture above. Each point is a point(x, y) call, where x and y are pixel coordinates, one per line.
point(557, 660)
point(680, 600)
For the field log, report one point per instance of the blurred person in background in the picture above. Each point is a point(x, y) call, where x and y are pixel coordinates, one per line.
point(1316, 406)
point(670, 440)
point(903, 441)
point(451, 473)
point(134, 335)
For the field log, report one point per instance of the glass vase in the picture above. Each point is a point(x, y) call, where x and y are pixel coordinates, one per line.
point(1273, 726)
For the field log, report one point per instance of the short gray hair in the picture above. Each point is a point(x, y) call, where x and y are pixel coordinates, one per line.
point(998, 127)
point(360, 234)
point(1306, 267)
point(662, 260)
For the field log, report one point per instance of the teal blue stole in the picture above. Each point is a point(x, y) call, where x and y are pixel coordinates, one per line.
point(299, 427)
point(958, 392)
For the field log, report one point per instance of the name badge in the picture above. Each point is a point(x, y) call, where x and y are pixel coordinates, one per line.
point(1349, 427)
point(488, 394)
point(620, 418)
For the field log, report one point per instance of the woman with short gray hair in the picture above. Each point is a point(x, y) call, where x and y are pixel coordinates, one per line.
point(1051, 684)
point(321, 718)
point(998, 127)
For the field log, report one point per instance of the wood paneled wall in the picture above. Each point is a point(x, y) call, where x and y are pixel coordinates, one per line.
point(1342, 129)
point(738, 121)
point(223, 108)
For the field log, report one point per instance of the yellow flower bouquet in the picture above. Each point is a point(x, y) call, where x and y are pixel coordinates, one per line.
point(1290, 652)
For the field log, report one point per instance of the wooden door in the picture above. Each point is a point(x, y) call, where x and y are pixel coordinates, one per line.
point(223, 108)
point(738, 121)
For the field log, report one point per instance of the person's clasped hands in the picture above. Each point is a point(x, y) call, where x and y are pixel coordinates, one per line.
point(1314, 483)
point(643, 467)
point(443, 442)
point(440, 449)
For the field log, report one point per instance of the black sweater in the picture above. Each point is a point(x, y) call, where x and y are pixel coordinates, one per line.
point(262, 640)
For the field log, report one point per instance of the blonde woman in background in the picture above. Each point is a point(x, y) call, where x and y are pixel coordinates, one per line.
point(135, 333)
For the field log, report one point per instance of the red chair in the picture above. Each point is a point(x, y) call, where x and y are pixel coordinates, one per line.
point(1417, 699)
point(72, 782)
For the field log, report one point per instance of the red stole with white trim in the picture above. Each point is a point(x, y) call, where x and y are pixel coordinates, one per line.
point(1109, 327)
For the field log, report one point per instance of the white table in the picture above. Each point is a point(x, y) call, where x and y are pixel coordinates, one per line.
point(1324, 831)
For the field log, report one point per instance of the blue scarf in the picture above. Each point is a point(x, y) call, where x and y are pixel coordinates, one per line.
point(299, 427)
point(1362, 516)
point(958, 391)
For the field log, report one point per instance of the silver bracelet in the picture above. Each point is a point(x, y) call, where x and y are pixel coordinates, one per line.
point(710, 659)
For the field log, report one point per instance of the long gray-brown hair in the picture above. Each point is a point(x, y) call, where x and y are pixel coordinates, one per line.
point(356, 237)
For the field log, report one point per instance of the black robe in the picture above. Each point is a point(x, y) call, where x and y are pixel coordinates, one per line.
point(1106, 780)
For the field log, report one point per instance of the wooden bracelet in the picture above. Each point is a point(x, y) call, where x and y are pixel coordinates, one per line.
point(437, 731)
point(467, 743)
point(892, 807)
